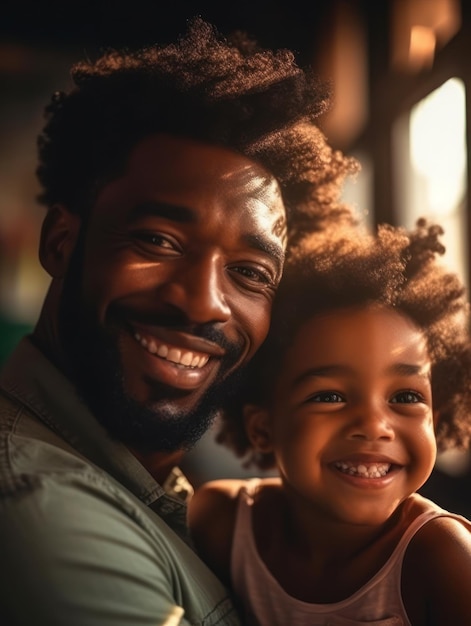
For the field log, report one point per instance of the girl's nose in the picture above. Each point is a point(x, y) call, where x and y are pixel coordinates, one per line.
point(371, 422)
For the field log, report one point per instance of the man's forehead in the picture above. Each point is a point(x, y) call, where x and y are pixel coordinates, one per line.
point(256, 180)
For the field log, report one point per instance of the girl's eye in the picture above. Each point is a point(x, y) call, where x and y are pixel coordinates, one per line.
point(327, 397)
point(407, 397)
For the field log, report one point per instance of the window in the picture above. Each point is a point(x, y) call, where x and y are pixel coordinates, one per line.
point(430, 165)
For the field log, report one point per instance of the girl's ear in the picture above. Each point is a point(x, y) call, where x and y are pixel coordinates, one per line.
point(59, 234)
point(258, 427)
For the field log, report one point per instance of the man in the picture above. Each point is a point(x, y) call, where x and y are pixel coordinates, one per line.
point(173, 178)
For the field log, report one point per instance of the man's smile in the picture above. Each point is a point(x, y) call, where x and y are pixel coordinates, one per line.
point(179, 356)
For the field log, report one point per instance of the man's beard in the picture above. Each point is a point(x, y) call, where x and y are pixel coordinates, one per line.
point(95, 368)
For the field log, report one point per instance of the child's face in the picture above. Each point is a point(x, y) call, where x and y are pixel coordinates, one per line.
point(352, 424)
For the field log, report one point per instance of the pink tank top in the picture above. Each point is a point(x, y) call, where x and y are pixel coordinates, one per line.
point(265, 603)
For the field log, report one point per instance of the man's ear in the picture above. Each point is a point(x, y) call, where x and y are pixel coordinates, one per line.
point(59, 234)
point(258, 427)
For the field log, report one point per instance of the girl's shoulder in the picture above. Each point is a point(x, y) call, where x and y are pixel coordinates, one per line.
point(440, 540)
point(439, 535)
point(211, 499)
point(437, 568)
point(212, 513)
point(225, 491)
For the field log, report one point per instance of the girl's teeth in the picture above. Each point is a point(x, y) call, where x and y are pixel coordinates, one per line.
point(373, 470)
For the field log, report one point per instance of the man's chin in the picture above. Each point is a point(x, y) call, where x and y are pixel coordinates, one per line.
point(161, 426)
point(175, 422)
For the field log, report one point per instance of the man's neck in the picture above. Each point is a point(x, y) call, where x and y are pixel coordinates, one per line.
point(158, 464)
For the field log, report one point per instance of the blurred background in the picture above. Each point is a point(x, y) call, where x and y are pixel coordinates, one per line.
point(401, 76)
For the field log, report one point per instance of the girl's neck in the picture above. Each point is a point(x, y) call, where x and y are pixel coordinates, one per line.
point(315, 558)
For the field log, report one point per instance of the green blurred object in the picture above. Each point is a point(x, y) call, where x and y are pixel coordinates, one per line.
point(11, 332)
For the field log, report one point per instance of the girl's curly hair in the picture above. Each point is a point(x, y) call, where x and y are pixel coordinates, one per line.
point(220, 90)
point(396, 268)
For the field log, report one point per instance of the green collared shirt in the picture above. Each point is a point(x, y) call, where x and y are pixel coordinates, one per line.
point(87, 536)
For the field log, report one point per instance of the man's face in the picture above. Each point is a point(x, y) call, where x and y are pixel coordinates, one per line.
point(170, 286)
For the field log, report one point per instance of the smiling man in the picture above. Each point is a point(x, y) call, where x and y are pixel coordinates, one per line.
point(174, 178)
point(169, 288)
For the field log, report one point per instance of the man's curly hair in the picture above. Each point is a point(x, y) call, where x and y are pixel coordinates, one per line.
point(207, 87)
point(396, 268)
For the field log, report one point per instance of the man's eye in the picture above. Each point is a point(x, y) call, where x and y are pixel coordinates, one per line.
point(254, 276)
point(156, 242)
point(330, 397)
point(407, 397)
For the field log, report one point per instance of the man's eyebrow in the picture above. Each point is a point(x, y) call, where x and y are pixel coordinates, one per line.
point(265, 245)
point(173, 212)
point(183, 214)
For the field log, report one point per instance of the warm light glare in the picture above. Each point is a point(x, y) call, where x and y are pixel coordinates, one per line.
point(430, 169)
point(419, 29)
point(344, 61)
point(438, 145)
point(422, 47)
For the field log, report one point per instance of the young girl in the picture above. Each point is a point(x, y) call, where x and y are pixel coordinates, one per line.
point(365, 333)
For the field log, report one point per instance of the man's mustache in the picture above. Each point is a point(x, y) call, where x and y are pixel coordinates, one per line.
point(209, 331)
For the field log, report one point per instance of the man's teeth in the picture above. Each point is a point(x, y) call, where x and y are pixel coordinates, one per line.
point(370, 470)
point(176, 355)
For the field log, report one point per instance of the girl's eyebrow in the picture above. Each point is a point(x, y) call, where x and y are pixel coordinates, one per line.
point(399, 369)
point(322, 371)
point(409, 369)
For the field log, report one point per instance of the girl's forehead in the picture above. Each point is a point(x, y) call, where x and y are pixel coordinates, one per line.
point(348, 317)
point(360, 334)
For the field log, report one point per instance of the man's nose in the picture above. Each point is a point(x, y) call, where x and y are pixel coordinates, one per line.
point(371, 421)
point(199, 290)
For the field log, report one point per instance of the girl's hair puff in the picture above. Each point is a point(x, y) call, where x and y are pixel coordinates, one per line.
point(396, 268)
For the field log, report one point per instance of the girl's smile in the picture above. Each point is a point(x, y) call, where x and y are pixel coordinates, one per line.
point(360, 436)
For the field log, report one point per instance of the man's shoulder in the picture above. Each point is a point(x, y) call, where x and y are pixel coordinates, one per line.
point(64, 517)
point(43, 478)
point(79, 541)
point(30, 452)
